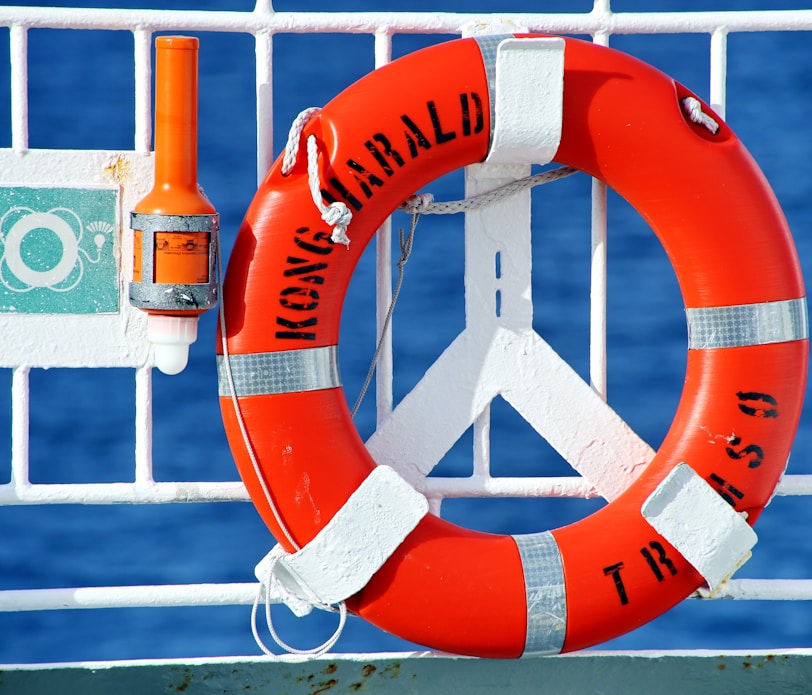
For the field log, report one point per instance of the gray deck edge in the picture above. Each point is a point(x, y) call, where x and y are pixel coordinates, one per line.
point(695, 672)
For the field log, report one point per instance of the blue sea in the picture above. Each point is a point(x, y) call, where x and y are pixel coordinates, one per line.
point(81, 96)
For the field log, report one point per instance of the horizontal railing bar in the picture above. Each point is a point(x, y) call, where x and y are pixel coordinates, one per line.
point(445, 488)
point(240, 594)
point(483, 486)
point(795, 485)
point(403, 22)
point(762, 590)
point(157, 596)
point(123, 493)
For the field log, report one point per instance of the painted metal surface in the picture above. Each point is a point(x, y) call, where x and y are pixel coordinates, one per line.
point(700, 673)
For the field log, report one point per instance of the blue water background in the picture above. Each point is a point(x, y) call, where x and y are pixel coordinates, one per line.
point(82, 421)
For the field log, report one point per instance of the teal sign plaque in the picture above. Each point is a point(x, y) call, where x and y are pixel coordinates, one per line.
point(57, 250)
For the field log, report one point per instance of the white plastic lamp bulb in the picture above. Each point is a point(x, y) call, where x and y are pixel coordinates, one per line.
point(171, 336)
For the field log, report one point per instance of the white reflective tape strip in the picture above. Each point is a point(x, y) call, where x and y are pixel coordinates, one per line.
point(747, 324)
point(527, 102)
point(290, 371)
point(705, 529)
point(356, 542)
point(545, 593)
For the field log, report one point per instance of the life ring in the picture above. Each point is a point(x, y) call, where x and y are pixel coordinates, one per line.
point(388, 135)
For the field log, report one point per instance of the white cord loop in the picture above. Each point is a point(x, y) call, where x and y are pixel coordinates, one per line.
point(337, 214)
point(282, 587)
point(294, 136)
point(693, 108)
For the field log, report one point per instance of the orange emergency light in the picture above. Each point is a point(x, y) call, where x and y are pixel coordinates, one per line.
point(175, 226)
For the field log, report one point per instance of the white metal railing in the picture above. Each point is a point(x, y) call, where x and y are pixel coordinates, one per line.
point(263, 23)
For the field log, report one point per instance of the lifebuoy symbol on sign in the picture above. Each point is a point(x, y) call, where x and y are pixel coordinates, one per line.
point(43, 249)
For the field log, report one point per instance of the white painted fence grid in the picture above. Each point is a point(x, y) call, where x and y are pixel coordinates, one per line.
point(263, 23)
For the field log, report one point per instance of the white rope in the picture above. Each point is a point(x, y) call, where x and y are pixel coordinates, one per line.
point(693, 107)
point(294, 137)
point(337, 214)
point(271, 590)
point(423, 203)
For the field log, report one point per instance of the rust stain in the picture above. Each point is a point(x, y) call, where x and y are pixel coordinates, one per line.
point(392, 671)
point(368, 670)
point(324, 686)
point(118, 169)
point(187, 681)
point(330, 668)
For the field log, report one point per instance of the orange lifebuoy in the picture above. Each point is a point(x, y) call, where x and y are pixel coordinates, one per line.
point(382, 139)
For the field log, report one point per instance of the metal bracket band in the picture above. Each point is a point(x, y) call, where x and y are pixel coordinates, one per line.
point(147, 294)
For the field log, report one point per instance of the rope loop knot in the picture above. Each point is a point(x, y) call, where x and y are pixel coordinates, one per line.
point(417, 204)
point(336, 214)
point(693, 108)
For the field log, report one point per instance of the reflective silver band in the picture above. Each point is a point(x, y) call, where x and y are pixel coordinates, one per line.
point(291, 371)
point(747, 324)
point(488, 45)
point(546, 598)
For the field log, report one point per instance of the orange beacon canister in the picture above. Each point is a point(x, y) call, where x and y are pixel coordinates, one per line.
point(174, 226)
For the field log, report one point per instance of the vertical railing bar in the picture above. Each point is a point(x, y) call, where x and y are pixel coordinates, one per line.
point(383, 277)
point(598, 269)
point(602, 11)
point(142, 55)
point(482, 444)
point(143, 426)
point(597, 295)
point(718, 71)
point(20, 417)
point(384, 369)
point(18, 55)
point(601, 7)
point(264, 95)
point(142, 49)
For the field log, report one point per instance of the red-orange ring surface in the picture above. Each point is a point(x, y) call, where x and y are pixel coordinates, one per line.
point(384, 138)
